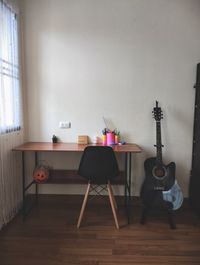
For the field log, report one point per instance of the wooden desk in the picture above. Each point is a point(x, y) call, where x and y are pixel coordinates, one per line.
point(71, 176)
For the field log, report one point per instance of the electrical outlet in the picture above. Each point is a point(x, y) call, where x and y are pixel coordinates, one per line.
point(64, 124)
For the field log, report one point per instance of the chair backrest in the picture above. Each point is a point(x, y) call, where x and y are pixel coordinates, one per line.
point(98, 164)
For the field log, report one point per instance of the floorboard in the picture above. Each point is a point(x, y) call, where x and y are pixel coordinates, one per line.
point(49, 235)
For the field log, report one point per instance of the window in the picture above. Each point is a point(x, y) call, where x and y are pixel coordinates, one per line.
point(9, 70)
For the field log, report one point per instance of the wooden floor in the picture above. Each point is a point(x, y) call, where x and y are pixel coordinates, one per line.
point(49, 236)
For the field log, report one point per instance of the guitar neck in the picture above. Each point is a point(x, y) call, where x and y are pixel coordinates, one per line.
point(158, 143)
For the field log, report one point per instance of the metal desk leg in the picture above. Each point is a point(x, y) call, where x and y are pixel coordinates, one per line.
point(25, 209)
point(129, 185)
point(23, 188)
point(127, 190)
point(36, 185)
point(126, 183)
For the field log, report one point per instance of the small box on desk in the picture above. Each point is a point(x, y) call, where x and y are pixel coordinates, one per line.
point(82, 139)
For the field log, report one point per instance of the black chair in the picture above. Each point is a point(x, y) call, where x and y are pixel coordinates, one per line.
point(99, 166)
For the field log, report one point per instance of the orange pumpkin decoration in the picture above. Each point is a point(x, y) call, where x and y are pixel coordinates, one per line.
point(41, 174)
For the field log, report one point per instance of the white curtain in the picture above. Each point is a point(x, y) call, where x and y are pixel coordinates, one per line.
point(11, 133)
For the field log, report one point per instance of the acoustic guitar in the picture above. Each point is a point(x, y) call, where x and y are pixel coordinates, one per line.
point(160, 178)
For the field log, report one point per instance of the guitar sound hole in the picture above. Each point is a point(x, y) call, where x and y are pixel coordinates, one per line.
point(159, 172)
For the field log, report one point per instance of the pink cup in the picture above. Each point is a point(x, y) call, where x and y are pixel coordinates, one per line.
point(110, 138)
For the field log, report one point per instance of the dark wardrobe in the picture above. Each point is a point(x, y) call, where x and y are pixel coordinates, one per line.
point(194, 188)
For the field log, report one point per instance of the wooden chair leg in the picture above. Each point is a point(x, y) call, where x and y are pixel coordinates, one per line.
point(83, 206)
point(112, 205)
point(113, 197)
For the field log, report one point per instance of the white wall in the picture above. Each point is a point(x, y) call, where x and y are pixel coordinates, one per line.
point(85, 59)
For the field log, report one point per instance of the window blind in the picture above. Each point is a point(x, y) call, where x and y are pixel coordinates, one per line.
point(10, 118)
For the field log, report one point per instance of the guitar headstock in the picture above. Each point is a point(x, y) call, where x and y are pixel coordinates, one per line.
point(157, 112)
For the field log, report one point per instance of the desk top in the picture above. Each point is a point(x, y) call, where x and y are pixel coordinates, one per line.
point(72, 147)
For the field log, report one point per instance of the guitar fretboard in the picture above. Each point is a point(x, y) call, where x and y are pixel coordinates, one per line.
point(158, 143)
